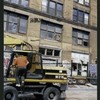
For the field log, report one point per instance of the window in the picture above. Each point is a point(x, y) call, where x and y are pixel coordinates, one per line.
point(18, 47)
point(15, 23)
point(8, 48)
point(24, 3)
point(44, 5)
point(74, 67)
point(42, 51)
point(75, 14)
point(19, 2)
point(49, 52)
point(74, 41)
point(87, 2)
point(22, 24)
point(83, 2)
point(52, 8)
point(51, 31)
point(12, 23)
point(15, 1)
point(6, 0)
point(80, 37)
point(5, 21)
point(80, 16)
point(56, 52)
point(86, 18)
point(59, 10)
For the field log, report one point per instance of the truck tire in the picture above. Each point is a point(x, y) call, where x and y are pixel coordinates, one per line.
point(51, 93)
point(70, 81)
point(10, 93)
point(81, 81)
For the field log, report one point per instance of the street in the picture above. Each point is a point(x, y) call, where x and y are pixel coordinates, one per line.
point(78, 92)
point(81, 92)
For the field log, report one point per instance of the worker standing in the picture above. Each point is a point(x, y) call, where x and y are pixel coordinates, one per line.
point(20, 63)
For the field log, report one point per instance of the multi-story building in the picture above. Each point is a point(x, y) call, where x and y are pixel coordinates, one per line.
point(62, 30)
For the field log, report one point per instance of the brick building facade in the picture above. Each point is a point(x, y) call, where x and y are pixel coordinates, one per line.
point(62, 30)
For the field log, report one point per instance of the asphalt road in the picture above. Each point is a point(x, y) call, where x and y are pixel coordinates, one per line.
point(81, 92)
point(77, 92)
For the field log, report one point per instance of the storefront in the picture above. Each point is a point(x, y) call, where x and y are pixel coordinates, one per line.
point(79, 64)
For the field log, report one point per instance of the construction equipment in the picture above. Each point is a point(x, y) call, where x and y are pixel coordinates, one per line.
point(47, 82)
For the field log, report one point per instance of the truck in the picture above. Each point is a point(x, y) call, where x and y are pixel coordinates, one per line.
point(47, 83)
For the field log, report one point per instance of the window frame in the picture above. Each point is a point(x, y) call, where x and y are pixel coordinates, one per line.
point(11, 1)
point(11, 22)
point(50, 7)
point(85, 3)
point(86, 19)
point(80, 38)
point(26, 25)
point(80, 16)
point(23, 5)
point(81, 2)
point(19, 2)
point(5, 21)
point(47, 31)
point(55, 9)
point(77, 16)
point(53, 51)
point(44, 6)
point(18, 47)
point(18, 16)
point(59, 10)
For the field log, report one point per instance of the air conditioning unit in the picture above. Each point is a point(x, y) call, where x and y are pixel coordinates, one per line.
point(57, 37)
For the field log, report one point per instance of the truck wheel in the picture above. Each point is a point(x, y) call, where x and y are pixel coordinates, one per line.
point(74, 81)
point(51, 93)
point(70, 81)
point(10, 93)
point(81, 81)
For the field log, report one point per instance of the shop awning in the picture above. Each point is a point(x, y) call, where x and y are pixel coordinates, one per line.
point(9, 40)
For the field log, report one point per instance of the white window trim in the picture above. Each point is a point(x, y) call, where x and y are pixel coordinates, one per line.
point(81, 1)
